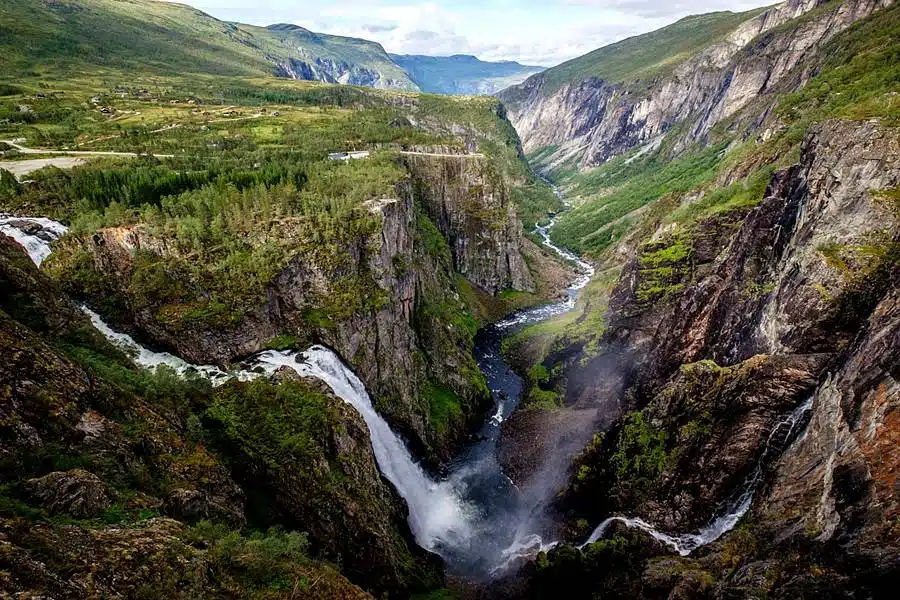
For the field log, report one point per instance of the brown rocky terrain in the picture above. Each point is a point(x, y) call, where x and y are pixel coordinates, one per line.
point(92, 448)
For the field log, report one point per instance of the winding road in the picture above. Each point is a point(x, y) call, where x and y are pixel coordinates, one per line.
point(25, 150)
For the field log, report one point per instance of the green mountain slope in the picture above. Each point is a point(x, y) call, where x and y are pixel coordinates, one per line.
point(646, 55)
point(59, 36)
point(463, 74)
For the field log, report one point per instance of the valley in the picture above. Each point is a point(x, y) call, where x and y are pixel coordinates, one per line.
point(277, 324)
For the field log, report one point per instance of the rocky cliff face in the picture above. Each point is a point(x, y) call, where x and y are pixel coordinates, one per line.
point(389, 308)
point(837, 485)
point(783, 283)
point(795, 299)
point(471, 206)
point(89, 438)
point(302, 54)
point(314, 68)
point(593, 120)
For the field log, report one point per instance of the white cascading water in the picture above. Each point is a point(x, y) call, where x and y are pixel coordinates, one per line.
point(685, 543)
point(438, 517)
point(35, 234)
point(151, 360)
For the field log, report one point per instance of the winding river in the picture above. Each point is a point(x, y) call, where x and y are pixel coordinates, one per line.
point(475, 518)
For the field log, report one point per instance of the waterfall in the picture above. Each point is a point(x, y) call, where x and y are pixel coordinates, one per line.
point(686, 543)
point(437, 517)
point(35, 234)
point(151, 360)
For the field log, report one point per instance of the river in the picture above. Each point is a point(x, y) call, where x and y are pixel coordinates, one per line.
point(505, 523)
point(475, 518)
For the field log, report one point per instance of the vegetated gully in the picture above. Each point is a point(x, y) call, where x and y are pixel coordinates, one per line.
point(474, 518)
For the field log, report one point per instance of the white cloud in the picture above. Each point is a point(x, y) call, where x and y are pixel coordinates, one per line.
point(543, 32)
point(662, 9)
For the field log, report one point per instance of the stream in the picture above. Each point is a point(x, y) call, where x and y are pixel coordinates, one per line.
point(474, 518)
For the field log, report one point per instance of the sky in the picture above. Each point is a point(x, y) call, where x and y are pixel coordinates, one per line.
point(536, 32)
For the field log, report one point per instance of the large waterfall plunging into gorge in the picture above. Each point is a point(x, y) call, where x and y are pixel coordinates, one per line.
point(437, 517)
point(474, 518)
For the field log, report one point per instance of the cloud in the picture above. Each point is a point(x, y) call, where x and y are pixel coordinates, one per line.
point(541, 32)
point(662, 8)
point(378, 28)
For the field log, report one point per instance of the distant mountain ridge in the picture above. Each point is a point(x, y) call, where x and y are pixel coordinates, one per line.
point(167, 38)
point(462, 74)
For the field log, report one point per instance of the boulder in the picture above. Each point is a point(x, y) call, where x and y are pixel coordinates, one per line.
point(77, 493)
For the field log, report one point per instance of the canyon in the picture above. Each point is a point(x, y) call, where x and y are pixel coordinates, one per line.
point(630, 330)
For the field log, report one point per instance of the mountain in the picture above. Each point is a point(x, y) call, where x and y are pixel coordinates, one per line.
point(57, 36)
point(700, 70)
point(730, 366)
point(271, 338)
point(643, 56)
point(335, 59)
point(462, 74)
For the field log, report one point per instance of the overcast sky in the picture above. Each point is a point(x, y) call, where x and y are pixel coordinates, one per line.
point(540, 32)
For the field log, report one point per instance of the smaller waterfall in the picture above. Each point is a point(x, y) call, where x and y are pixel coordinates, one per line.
point(686, 543)
point(151, 360)
point(35, 234)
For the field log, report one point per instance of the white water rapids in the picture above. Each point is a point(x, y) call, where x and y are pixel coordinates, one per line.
point(685, 543)
point(438, 516)
point(32, 233)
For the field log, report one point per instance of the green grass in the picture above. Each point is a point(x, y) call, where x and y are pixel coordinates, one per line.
point(258, 564)
point(273, 423)
point(284, 342)
point(242, 200)
point(663, 266)
point(860, 76)
point(535, 200)
point(584, 326)
point(592, 227)
point(640, 455)
point(858, 81)
point(444, 408)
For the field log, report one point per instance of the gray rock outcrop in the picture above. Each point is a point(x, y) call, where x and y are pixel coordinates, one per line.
point(593, 120)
